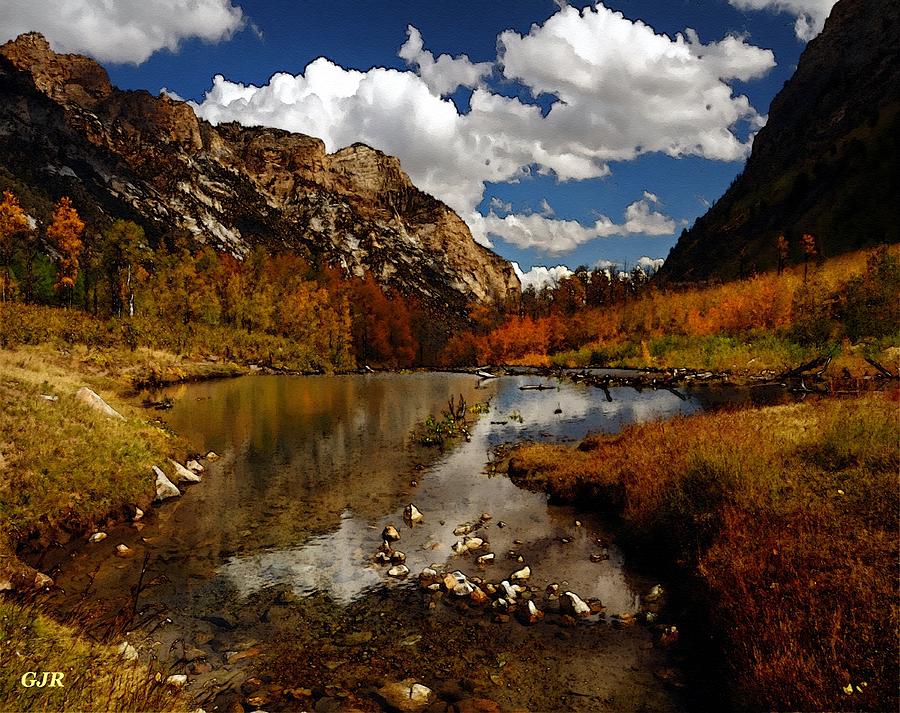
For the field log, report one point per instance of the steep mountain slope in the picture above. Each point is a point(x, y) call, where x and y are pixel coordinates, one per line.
point(64, 129)
point(826, 163)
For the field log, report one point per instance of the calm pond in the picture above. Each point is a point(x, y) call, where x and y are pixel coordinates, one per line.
point(272, 554)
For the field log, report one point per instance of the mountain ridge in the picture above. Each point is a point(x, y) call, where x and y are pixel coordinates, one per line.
point(64, 128)
point(827, 162)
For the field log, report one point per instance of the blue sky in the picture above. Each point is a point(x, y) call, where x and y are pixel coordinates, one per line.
point(567, 135)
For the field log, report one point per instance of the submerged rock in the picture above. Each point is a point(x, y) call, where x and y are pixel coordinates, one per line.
point(124, 551)
point(182, 473)
point(165, 488)
point(93, 400)
point(573, 605)
point(406, 696)
point(399, 571)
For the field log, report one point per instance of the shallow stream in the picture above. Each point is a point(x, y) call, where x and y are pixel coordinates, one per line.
point(264, 571)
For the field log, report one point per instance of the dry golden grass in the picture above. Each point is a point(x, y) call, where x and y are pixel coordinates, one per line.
point(788, 518)
point(95, 676)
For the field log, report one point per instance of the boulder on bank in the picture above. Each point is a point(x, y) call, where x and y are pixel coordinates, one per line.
point(93, 400)
point(165, 488)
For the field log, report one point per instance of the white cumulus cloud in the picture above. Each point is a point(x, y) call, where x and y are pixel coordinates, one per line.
point(445, 74)
point(540, 276)
point(810, 14)
point(554, 236)
point(126, 31)
point(620, 89)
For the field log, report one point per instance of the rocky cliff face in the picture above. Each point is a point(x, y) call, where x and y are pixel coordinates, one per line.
point(64, 129)
point(826, 163)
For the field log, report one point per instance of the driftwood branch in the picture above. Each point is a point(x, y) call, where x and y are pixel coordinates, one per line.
point(884, 372)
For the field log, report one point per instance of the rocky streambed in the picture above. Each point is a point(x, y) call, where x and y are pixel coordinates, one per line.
point(327, 562)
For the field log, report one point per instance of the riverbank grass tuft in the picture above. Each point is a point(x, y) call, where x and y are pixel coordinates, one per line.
point(786, 520)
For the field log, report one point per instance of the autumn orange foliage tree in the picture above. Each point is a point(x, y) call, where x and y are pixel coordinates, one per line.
point(64, 235)
point(13, 223)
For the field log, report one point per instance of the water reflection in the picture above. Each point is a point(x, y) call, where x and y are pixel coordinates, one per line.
point(333, 452)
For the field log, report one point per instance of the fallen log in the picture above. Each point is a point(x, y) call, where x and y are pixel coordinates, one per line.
point(819, 363)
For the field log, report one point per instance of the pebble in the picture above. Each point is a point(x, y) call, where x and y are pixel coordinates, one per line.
point(501, 524)
point(486, 516)
point(127, 651)
point(212, 456)
point(486, 559)
point(399, 571)
point(406, 696)
point(531, 614)
point(177, 680)
point(507, 591)
point(412, 515)
point(138, 514)
point(473, 543)
point(463, 530)
point(124, 551)
point(398, 557)
point(97, 536)
point(655, 593)
point(573, 605)
point(195, 466)
point(521, 574)
point(390, 534)
point(478, 596)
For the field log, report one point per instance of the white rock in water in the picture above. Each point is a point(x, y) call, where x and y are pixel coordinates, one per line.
point(390, 534)
point(401, 570)
point(93, 400)
point(532, 614)
point(463, 530)
point(177, 680)
point(460, 547)
point(97, 536)
point(164, 487)
point(212, 456)
point(195, 466)
point(412, 515)
point(138, 514)
point(486, 559)
point(398, 557)
point(406, 696)
point(507, 591)
point(182, 473)
point(464, 589)
point(654, 594)
point(573, 605)
point(124, 551)
point(127, 651)
point(522, 574)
